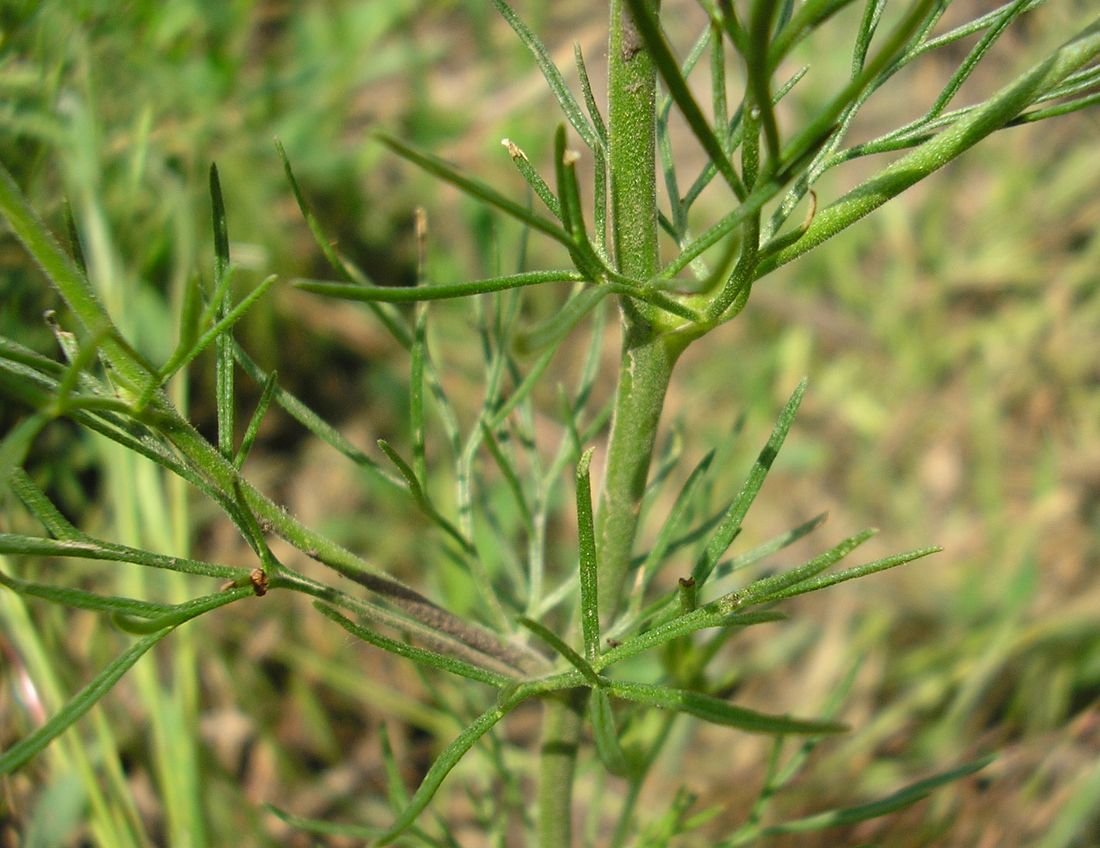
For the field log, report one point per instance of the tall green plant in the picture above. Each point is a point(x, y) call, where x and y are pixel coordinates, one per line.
point(539, 633)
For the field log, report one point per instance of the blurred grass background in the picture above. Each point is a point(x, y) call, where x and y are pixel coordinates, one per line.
point(951, 342)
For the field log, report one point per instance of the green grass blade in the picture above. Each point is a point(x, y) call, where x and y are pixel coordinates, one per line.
point(23, 750)
point(442, 291)
point(717, 711)
point(568, 103)
point(589, 568)
point(731, 522)
point(650, 31)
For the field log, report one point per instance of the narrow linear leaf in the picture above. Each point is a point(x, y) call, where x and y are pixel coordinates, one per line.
point(933, 154)
point(776, 543)
point(254, 423)
point(416, 393)
point(589, 568)
point(68, 279)
point(559, 645)
point(532, 177)
point(23, 750)
point(826, 580)
point(311, 421)
point(79, 599)
point(606, 735)
point(552, 75)
point(443, 291)
point(14, 447)
point(473, 187)
point(758, 71)
point(42, 508)
point(683, 625)
point(328, 250)
point(650, 31)
point(770, 587)
point(717, 711)
point(87, 548)
point(446, 761)
point(412, 652)
point(589, 99)
point(224, 357)
point(420, 497)
point(326, 827)
point(731, 523)
point(884, 806)
point(508, 470)
point(548, 334)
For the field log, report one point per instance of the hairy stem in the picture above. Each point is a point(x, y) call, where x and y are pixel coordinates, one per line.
point(648, 357)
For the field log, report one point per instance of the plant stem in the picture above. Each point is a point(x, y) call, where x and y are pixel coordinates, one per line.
point(647, 359)
point(561, 730)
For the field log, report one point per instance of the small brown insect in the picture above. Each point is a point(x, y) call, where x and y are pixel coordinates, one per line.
point(258, 579)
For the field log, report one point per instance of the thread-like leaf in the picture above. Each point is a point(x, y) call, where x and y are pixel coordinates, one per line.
point(825, 580)
point(26, 748)
point(547, 335)
point(442, 291)
point(224, 357)
point(848, 816)
point(771, 587)
point(735, 514)
point(447, 761)
point(559, 645)
point(717, 711)
point(253, 430)
point(389, 320)
point(589, 568)
point(605, 733)
point(473, 187)
point(568, 103)
point(666, 64)
point(423, 656)
point(87, 548)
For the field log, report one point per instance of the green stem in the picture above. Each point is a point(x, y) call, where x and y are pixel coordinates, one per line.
point(649, 353)
point(561, 730)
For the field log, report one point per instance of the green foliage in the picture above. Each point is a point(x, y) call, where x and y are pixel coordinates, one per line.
point(607, 614)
